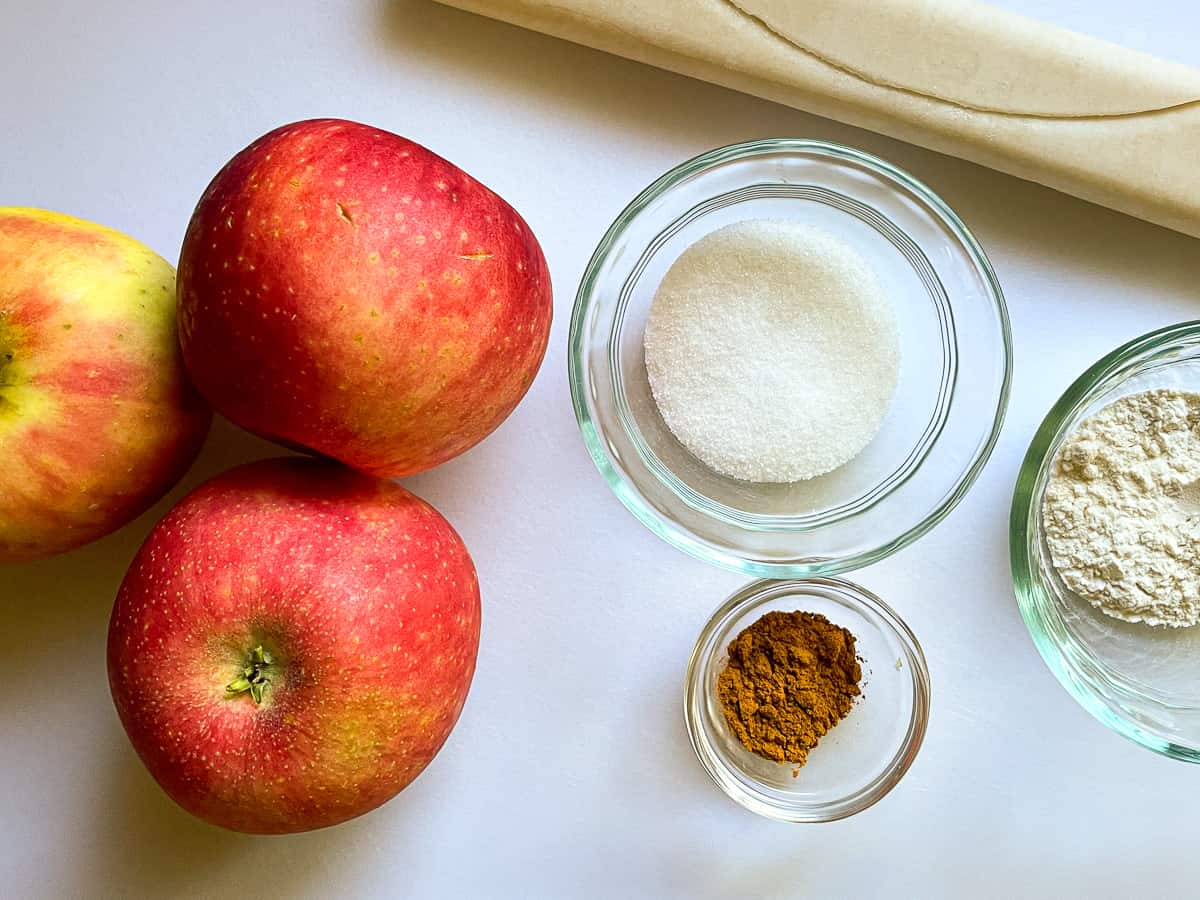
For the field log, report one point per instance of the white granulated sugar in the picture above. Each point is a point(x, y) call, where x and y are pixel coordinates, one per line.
point(772, 351)
point(1122, 511)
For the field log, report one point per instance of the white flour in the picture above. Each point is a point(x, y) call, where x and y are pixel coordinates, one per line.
point(772, 351)
point(1122, 509)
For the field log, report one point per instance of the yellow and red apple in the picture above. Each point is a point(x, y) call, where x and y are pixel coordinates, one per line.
point(293, 644)
point(97, 418)
point(345, 290)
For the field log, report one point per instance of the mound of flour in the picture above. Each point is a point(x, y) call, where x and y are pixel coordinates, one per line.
point(1122, 509)
point(772, 351)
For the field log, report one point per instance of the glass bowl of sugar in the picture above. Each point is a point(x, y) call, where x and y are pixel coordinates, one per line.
point(1104, 556)
point(789, 358)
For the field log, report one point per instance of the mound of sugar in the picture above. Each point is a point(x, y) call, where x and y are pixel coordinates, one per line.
point(772, 351)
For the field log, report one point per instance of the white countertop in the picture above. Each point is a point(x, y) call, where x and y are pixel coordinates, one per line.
point(570, 773)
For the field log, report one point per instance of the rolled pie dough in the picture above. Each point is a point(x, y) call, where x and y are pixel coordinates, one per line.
point(1093, 119)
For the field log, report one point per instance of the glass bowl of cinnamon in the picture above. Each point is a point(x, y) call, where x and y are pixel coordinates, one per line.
point(861, 685)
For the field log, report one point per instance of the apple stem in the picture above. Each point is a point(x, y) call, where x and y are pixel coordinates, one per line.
point(253, 678)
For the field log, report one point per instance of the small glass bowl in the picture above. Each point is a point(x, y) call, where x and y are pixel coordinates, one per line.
point(948, 406)
point(862, 757)
point(1142, 681)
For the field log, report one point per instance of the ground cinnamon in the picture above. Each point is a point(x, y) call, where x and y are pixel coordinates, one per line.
point(790, 678)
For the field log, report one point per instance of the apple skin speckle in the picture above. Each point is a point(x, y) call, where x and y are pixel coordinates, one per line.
point(366, 602)
point(298, 221)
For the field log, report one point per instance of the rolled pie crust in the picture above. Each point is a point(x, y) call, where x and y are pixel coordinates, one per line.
point(1090, 118)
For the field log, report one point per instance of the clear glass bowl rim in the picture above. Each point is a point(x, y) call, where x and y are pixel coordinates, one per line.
point(764, 590)
point(1026, 580)
point(631, 497)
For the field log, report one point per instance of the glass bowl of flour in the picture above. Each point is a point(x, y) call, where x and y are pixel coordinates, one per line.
point(789, 358)
point(1105, 540)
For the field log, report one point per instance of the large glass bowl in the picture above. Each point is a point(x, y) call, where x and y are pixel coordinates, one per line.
point(1142, 681)
point(948, 406)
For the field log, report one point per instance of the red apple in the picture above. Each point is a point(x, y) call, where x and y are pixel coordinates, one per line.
point(345, 290)
point(97, 418)
point(292, 645)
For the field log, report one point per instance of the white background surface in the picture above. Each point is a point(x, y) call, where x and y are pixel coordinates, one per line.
point(570, 773)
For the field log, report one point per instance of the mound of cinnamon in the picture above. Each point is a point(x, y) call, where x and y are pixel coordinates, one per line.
point(790, 678)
